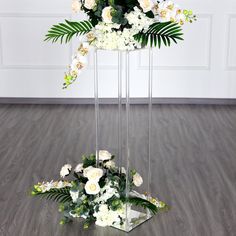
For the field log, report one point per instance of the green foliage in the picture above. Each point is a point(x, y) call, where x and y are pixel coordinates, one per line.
point(118, 16)
point(89, 161)
point(90, 220)
point(159, 33)
point(61, 195)
point(137, 201)
point(65, 31)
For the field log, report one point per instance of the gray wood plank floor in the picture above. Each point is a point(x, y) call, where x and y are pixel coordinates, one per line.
point(193, 165)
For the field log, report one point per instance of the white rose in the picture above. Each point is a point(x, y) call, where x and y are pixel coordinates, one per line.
point(106, 15)
point(90, 4)
point(104, 155)
point(110, 164)
point(92, 187)
point(86, 170)
point(146, 5)
point(137, 179)
point(79, 168)
point(76, 6)
point(74, 195)
point(94, 174)
point(65, 170)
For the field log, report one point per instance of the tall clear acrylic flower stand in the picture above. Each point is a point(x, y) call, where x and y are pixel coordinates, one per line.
point(134, 217)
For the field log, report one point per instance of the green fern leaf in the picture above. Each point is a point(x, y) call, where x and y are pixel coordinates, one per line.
point(59, 195)
point(65, 31)
point(160, 33)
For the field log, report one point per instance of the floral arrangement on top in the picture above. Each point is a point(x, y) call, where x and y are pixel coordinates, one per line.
point(120, 25)
point(98, 192)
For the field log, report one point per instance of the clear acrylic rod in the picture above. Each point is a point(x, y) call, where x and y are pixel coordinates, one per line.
point(127, 132)
point(119, 109)
point(96, 102)
point(150, 84)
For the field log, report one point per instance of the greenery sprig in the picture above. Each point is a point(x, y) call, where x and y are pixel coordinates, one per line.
point(160, 33)
point(65, 31)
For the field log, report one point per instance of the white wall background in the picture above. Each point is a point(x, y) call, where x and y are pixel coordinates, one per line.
point(203, 66)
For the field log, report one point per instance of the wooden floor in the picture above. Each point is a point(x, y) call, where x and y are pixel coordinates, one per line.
point(193, 165)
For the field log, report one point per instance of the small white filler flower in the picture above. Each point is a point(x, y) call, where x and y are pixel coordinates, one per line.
point(65, 170)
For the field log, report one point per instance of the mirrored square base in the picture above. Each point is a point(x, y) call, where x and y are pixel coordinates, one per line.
point(136, 219)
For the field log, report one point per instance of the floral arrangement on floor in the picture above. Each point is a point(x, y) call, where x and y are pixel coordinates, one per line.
point(120, 25)
point(97, 192)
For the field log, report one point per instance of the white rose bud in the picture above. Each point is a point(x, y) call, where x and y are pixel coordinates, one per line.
point(92, 187)
point(104, 155)
point(106, 14)
point(137, 179)
point(65, 170)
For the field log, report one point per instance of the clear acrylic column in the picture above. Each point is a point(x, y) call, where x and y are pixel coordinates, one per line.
point(133, 217)
point(96, 102)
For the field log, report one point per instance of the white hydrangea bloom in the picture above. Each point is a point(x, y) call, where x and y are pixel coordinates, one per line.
point(74, 195)
point(138, 20)
point(108, 38)
point(106, 217)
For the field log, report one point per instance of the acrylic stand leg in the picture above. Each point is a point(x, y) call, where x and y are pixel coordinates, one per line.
point(150, 79)
point(119, 109)
point(96, 102)
point(134, 218)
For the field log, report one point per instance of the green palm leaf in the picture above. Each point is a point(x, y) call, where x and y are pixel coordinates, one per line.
point(160, 33)
point(61, 195)
point(65, 31)
point(137, 201)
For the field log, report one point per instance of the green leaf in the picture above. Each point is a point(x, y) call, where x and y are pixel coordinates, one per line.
point(160, 33)
point(137, 201)
point(65, 31)
point(61, 195)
